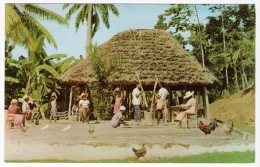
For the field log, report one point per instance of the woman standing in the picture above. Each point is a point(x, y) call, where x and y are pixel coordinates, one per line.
point(118, 101)
point(191, 108)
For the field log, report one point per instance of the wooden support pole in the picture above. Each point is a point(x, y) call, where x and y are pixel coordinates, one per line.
point(206, 103)
point(71, 88)
point(169, 104)
point(144, 98)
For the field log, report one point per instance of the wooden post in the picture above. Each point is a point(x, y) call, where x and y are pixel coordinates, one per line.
point(153, 97)
point(70, 102)
point(169, 104)
point(144, 98)
point(206, 103)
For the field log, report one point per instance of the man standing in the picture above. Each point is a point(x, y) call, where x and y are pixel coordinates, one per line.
point(136, 102)
point(162, 95)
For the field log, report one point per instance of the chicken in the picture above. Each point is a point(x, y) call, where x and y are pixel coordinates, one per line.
point(213, 124)
point(141, 152)
point(91, 130)
point(204, 128)
point(228, 129)
point(24, 129)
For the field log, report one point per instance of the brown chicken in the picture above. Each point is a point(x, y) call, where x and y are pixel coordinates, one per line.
point(91, 130)
point(204, 128)
point(24, 129)
point(141, 152)
point(228, 129)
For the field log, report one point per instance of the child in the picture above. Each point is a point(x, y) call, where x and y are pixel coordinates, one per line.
point(53, 107)
point(118, 102)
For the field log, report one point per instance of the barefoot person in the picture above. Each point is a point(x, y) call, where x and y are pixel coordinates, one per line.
point(53, 107)
point(162, 95)
point(118, 118)
point(84, 107)
point(137, 102)
point(191, 108)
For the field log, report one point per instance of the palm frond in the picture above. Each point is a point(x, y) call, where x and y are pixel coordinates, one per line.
point(43, 13)
point(47, 68)
point(11, 79)
point(55, 56)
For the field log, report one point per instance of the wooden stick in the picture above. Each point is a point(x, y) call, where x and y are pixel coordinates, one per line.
point(142, 89)
point(153, 96)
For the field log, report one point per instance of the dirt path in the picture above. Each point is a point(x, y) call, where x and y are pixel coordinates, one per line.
point(110, 143)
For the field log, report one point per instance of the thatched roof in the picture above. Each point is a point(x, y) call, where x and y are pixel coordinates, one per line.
point(153, 54)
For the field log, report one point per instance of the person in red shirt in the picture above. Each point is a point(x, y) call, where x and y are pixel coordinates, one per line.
point(15, 109)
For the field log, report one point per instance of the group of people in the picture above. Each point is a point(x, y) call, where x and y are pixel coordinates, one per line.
point(119, 110)
point(28, 108)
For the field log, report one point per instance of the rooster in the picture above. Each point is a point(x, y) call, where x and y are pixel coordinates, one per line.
point(228, 129)
point(141, 152)
point(214, 123)
point(24, 129)
point(91, 130)
point(204, 128)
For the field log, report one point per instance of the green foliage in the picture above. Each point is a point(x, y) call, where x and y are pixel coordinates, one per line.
point(225, 94)
point(104, 66)
point(230, 59)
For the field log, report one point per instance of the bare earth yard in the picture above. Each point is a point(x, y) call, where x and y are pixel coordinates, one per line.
point(109, 143)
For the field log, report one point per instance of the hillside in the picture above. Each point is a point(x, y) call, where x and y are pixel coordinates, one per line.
point(239, 109)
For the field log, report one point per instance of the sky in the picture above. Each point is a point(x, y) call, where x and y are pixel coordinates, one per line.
point(72, 43)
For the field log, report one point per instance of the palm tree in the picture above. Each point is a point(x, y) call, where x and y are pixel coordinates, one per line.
point(91, 13)
point(22, 26)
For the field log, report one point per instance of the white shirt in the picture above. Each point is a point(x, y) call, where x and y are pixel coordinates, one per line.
point(83, 102)
point(116, 118)
point(163, 93)
point(136, 100)
point(25, 106)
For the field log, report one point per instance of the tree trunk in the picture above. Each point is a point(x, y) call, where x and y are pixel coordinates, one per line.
point(236, 80)
point(89, 30)
point(242, 78)
point(244, 74)
point(224, 43)
point(201, 48)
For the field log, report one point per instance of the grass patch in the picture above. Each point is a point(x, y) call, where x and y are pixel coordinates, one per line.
point(215, 157)
point(245, 128)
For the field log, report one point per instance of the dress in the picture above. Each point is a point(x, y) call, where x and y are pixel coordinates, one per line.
point(191, 105)
point(117, 105)
point(53, 109)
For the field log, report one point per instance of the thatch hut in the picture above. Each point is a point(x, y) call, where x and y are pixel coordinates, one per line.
point(152, 54)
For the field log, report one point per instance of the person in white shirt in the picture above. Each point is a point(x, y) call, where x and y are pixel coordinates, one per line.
point(137, 102)
point(118, 118)
point(162, 95)
point(84, 107)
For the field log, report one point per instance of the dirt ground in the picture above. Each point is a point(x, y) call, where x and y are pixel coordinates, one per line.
point(110, 143)
point(49, 141)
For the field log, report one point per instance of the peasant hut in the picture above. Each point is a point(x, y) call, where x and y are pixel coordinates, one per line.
point(150, 54)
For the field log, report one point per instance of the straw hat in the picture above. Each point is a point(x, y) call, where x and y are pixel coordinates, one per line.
point(26, 97)
point(83, 94)
point(117, 89)
point(122, 108)
point(14, 101)
point(188, 94)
